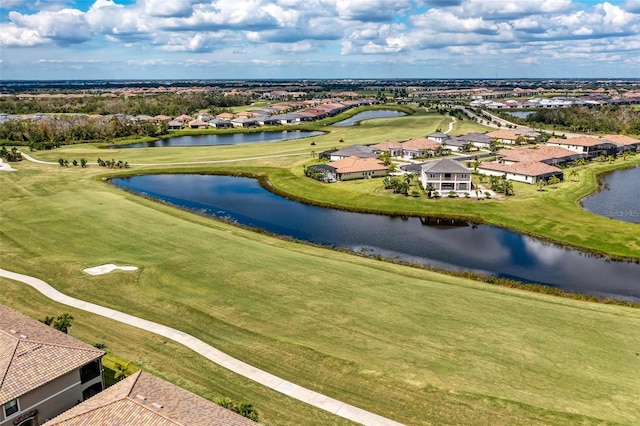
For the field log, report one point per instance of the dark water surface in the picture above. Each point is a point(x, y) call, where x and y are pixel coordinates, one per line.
point(483, 248)
point(521, 114)
point(223, 139)
point(368, 115)
point(619, 197)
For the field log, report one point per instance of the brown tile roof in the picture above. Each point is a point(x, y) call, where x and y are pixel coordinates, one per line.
point(503, 134)
point(419, 144)
point(541, 153)
point(532, 168)
point(32, 354)
point(145, 400)
point(385, 146)
point(184, 117)
point(355, 164)
point(621, 140)
point(577, 141)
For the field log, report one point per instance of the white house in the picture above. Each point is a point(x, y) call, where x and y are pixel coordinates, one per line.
point(445, 175)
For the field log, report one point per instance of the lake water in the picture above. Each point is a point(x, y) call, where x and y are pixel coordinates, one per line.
point(521, 114)
point(486, 249)
point(368, 115)
point(619, 197)
point(223, 139)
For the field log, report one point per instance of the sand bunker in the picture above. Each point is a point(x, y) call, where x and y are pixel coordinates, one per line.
point(105, 269)
point(6, 167)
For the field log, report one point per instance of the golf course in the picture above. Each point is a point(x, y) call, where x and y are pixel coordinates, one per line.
point(410, 344)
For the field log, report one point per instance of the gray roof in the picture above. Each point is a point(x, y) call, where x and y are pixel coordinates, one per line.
point(361, 151)
point(439, 135)
point(444, 166)
point(475, 137)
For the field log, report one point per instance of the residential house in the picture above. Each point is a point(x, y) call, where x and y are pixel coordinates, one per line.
point(393, 148)
point(479, 140)
point(439, 137)
point(219, 123)
point(143, 399)
point(198, 124)
point(445, 175)
point(590, 146)
point(624, 143)
point(527, 172)
point(184, 118)
point(174, 125)
point(419, 147)
point(513, 137)
point(548, 154)
point(43, 371)
point(360, 151)
point(357, 168)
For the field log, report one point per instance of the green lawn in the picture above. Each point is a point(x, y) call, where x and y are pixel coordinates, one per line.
point(413, 345)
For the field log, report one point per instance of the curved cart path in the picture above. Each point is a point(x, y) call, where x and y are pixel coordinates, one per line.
point(290, 389)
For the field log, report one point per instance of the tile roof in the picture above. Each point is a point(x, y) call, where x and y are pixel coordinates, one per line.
point(419, 144)
point(578, 141)
point(444, 166)
point(385, 146)
point(503, 134)
point(621, 140)
point(355, 164)
point(145, 400)
point(532, 168)
point(541, 153)
point(32, 354)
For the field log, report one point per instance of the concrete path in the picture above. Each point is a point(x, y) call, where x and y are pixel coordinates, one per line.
point(185, 163)
point(290, 389)
point(453, 121)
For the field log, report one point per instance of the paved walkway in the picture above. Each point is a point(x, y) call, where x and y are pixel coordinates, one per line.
point(291, 389)
point(184, 163)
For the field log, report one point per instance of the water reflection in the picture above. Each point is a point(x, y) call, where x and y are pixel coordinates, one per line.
point(482, 248)
point(368, 115)
point(618, 198)
point(223, 139)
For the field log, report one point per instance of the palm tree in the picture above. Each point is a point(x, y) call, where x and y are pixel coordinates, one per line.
point(574, 175)
point(507, 186)
point(554, 181)
point(121, 370)
point(541, 184)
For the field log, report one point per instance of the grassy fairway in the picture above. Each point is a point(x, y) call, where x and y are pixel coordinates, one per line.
point(416, 346)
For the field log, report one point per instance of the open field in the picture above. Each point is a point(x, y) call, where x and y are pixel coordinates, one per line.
point(413, 345)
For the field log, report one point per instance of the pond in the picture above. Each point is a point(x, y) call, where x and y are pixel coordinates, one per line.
point(223, 139)
point(485, 249)
point(368, 115)
point(521, 114)
point(618, 197)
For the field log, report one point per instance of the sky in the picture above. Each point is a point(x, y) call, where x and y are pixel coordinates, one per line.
point(307, 39)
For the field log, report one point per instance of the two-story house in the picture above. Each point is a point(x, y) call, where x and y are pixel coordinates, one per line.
point(43, 372)
point(445, 176)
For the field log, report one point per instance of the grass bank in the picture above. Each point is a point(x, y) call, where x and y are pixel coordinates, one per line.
point(413, 345)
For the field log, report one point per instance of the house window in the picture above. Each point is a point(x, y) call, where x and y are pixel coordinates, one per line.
point(10, 408)
point(447, 175)
point(432, 175)
point(89, 371)
point(91, 390)
point(448, 186)
point(462, 186)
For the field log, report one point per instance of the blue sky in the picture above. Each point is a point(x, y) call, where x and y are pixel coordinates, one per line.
point(195, 39)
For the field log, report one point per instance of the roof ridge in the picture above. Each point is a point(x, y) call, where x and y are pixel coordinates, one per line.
point(88, 347)
point(13, 356)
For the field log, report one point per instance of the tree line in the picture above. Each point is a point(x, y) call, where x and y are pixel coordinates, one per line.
point(171, 104)
point(52, 132)
point(601, 119)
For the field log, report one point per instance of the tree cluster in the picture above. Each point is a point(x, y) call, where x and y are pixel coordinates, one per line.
point(52, 132)
point(61, 323)
point(10, 156)
point(172, 104)
point(602, 119)
point(244, 409)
